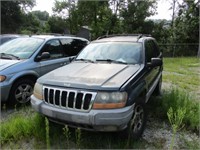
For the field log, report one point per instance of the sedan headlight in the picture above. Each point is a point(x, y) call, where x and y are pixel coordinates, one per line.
point(106, 100)
point(2, 78)
point(38, 91)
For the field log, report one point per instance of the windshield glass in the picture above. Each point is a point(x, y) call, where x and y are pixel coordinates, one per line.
point(125, 52)
point(21, 47)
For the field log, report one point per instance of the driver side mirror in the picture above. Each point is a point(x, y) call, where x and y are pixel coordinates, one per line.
point(44, 55)
point(155, 62)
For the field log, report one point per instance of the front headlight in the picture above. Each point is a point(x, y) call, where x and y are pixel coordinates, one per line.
point(110, 100)
point(38, 91)
point(2, 78)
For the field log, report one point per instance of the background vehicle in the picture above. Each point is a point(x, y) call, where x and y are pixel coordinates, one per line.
point(24, 59)
point(7, 37)
point(106, 87)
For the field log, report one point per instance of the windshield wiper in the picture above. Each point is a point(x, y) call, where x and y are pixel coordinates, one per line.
point(112, 61)
point(85, 60)
point(8, 56)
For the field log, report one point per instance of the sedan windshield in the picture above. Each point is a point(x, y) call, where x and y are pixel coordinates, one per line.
point(21, 48)
point(113, 52)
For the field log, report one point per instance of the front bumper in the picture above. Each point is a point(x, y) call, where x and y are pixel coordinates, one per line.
point(96, 120)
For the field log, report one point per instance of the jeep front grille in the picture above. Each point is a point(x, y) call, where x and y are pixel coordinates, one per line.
point(68, 98)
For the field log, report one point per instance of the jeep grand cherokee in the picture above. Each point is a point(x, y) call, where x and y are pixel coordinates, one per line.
point(106, 87)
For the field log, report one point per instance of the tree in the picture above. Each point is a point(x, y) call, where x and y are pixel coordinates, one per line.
point(134, 13)
point(95, 14)
point(30, 24)
point(41, 15)
point(186, 27)
point(12, 14)
point(64, 9)
point(57, 24)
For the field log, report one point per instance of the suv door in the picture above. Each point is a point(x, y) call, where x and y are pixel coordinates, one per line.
point(151, 51)
point(57, 57)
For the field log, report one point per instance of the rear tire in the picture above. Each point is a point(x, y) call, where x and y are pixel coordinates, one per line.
point(21, 91)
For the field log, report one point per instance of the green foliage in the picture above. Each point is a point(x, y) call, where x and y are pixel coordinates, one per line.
point(18, 127)
point(183, 72)
point(30, 24)
point(41, 15)
point(47, 133)
point(185, 29)
point(78, 137)
point(176, 98)
point(11, 16)
point(57, 24)
point(67, 134)
point(176, 118)
point(134, 13)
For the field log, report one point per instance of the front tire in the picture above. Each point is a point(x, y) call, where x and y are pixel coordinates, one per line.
point(21, 91)
point(137, 123)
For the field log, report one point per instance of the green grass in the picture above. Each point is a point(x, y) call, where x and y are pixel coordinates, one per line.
point(22, 124)
point(184, 73)
point(177, 98)
point(25, 125)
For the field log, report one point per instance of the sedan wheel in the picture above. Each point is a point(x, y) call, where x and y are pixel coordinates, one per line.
point(21, 91)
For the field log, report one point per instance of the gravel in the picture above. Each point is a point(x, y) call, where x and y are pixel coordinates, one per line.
point(158, 134)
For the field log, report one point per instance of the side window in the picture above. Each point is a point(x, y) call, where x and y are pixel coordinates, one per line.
point(78, 45)
point(149, 52)
point(54, 48)
point(73, 46)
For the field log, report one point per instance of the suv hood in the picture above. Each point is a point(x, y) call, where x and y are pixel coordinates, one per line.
point(93, 76)
point(4, 63)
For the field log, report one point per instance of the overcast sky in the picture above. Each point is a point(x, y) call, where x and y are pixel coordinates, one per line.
point(162, 10)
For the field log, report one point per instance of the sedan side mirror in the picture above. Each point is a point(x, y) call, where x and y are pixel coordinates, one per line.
point(44, 55)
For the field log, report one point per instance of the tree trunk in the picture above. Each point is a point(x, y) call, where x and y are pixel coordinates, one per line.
point(198, 53)
point(173, 26)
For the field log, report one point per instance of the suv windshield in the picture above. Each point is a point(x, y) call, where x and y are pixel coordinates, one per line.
point(116, 52)
point(22, 48)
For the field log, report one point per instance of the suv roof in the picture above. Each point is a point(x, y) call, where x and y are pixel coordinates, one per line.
point(122, 37)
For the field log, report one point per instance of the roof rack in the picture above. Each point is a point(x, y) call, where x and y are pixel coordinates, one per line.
point(113, 35)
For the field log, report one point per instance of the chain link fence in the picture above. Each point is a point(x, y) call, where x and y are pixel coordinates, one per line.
point(179, 49)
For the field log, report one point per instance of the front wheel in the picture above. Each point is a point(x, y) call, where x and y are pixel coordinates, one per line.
point(137, 123)
point(21, 91)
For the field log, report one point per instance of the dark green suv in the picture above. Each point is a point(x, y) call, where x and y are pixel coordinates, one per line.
point(106, 87)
